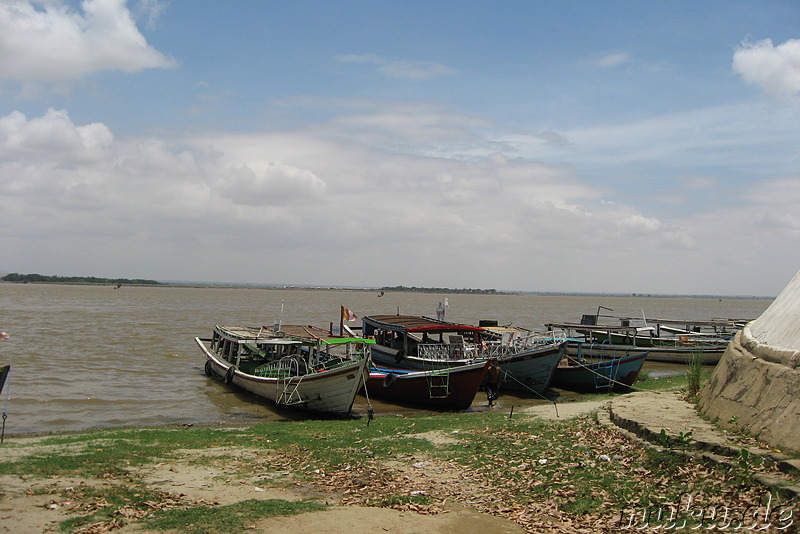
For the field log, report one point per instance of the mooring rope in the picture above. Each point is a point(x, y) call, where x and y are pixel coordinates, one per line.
point(364, 378)
point(7, 387)
point(636, 388)
point(506, 375)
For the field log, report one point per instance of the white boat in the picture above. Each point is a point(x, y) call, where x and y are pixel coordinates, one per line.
point(295, 366)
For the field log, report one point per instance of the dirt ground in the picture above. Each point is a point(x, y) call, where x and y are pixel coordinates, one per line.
point(214, 476)
point(30, 505)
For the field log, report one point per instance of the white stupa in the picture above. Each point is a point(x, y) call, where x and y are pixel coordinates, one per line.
point(756, 385)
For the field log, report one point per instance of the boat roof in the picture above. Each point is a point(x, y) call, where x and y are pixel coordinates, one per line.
point(286, 335)
point(414, 323)
point(595, 327)
point(504, 329)
point(650, 322)
point(322, 336)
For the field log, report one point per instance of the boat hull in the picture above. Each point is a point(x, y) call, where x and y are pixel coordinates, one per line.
point(674, 354)
point(605, 374)
point(532, 370)
point(330, 392)
point(643, 341)
point(444, 389)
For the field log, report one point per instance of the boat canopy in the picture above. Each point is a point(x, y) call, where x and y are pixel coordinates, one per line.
point(286, 335)
point(412, 323)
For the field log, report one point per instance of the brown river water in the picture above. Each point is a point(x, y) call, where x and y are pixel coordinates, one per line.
point(94, 356)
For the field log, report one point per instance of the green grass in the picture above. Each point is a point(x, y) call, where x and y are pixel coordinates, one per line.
point(230, 519)
point(106, 503)
point(695, 374)
point(111, 452)
point(646, 383)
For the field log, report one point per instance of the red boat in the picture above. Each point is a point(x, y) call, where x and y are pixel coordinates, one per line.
point(452, 388)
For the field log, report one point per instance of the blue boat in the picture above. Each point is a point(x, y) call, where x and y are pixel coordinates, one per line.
point(597, 368)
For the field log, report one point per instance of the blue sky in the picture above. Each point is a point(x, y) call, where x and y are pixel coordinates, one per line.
point(643, 147)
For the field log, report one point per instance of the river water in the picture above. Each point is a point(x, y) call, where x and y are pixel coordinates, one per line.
point(87, 356)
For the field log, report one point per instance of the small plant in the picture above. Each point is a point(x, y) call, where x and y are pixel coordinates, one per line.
point(695, 373)
point(684, 440)
point(663, 439)
point(746, 460)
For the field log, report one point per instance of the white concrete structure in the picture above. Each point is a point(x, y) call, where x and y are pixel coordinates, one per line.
point(756, 385)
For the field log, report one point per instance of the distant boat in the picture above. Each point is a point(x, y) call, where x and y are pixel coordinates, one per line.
point(294, 366)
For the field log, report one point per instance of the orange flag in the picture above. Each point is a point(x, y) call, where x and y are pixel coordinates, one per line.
point(347, 315)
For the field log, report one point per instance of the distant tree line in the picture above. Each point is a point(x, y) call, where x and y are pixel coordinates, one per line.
point(440, 290)
point(33, 278)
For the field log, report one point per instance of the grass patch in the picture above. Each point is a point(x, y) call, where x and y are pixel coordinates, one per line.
point(105, 505)
point(695, 373)
point(578, 466)
point(394, 501)
point(230, 519)
point(646, 382)
point(111, 452)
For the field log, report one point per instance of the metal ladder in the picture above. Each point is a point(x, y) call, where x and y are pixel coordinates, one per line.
point(439, 384)
point(290, 394)
point(606, 372)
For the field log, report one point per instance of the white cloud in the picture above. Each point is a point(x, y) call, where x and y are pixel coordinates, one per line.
point(49, 42)
point(744, 135)
point(638, 224)
point(698, 182)
point(614, 60)
point(274, 184)
point(330, 205)
point(775, 69)
point(401, 69)
point(51, 137)
point(150, 11)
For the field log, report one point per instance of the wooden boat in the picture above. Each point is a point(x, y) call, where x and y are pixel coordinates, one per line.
point(604, 369)
point(444, 389)
point(673, 347)
point(527, 360)
point(708, 355)
point(420, 343)
point(652, 336)
point(294, 366)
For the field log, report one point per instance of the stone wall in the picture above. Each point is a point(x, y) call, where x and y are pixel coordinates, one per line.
point(756, 391)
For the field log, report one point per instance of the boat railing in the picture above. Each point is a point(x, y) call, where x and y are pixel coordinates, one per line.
point(523, 343)
point(447, 351)
point(290, 371)
point(554, 337)
point(599, 352)
point(286, 367)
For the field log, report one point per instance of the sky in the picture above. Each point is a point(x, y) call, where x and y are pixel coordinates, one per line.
point(623, 146)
